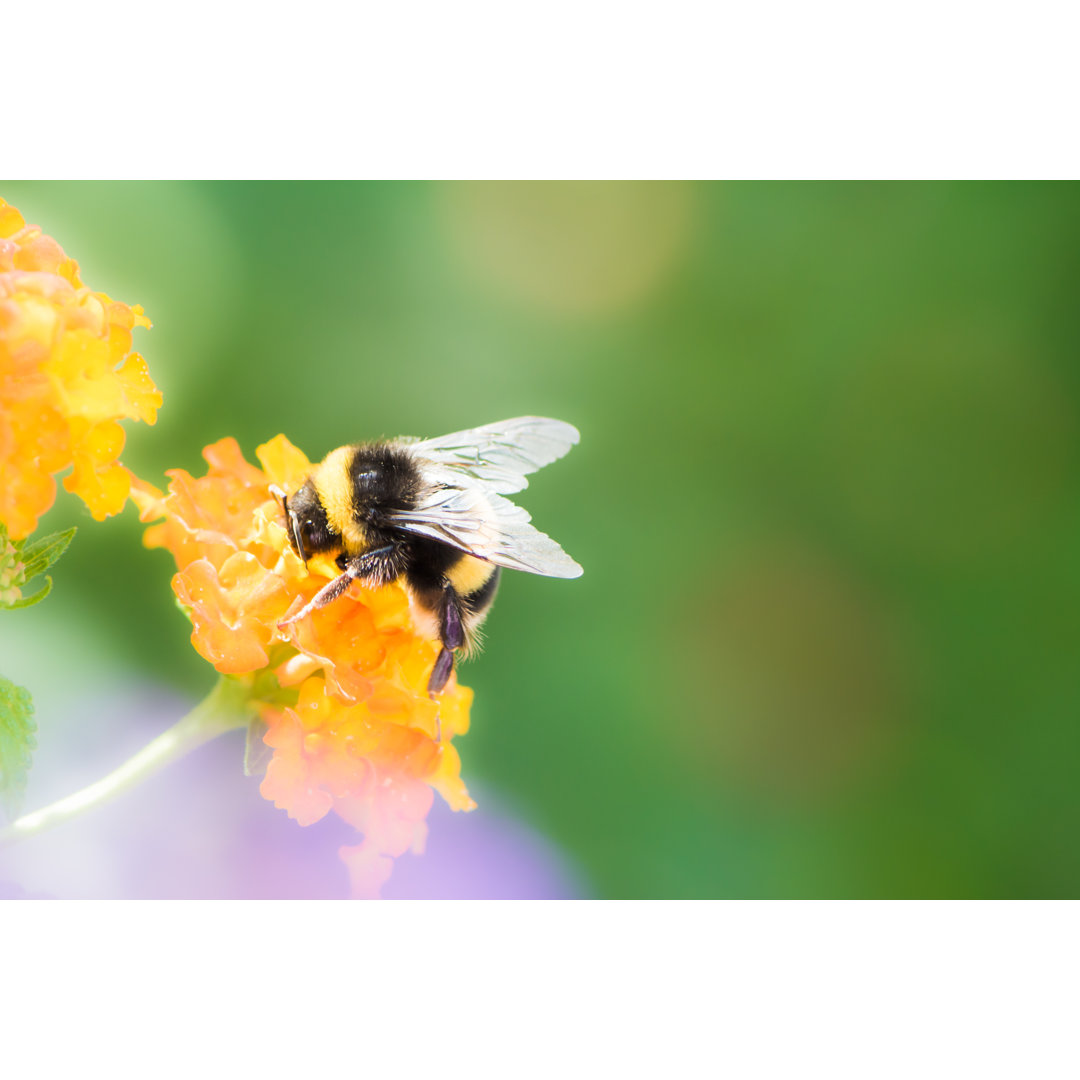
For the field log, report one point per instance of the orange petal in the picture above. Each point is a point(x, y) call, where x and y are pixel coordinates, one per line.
point(283, 463)
point(233, 613)
point(142, 396)
point(11, 221)
point(66, 377)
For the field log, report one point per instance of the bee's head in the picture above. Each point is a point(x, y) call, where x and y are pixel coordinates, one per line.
point(306, 523)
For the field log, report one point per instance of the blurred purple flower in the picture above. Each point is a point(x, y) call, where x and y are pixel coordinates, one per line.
point(201, 830)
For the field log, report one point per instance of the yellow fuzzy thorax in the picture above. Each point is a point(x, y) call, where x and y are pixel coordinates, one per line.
point(333, 485)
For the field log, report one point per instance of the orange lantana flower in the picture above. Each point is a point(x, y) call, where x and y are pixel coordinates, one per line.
point(343, 691)
point(67, 375)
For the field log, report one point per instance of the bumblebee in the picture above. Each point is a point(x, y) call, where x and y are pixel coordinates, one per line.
point(432, 514)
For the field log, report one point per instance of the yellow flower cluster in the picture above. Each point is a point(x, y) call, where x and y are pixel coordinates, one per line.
point(359, 734)
point(67, 376)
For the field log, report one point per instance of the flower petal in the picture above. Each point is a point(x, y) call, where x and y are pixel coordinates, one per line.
point(67, 375)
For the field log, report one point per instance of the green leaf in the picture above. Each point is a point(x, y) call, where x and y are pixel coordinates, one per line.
point(266, 687)
point(30, 601)
point(40, 555)
point(17, 741)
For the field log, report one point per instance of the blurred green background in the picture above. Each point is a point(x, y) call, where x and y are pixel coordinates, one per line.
point(826, 495)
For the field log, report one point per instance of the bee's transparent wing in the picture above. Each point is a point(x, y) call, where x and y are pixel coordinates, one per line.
point(466, 514)
point(501, 455)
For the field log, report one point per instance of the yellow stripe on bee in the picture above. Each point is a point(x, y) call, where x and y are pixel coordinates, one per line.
point(334, 486)
point(468, 574)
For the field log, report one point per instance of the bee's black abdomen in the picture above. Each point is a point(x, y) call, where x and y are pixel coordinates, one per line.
point(429, 562)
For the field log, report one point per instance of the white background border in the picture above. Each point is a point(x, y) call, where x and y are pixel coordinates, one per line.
point(564, 989)
point(581, 89)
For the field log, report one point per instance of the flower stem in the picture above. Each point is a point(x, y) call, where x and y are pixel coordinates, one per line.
point(227, 706)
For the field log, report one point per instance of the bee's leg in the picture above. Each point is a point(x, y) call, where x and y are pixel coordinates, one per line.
point(324, 596)
point(440, 673)
point(365, 566)
point(452, 635)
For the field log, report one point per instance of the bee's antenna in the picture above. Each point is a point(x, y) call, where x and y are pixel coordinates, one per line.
point(290, 525)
